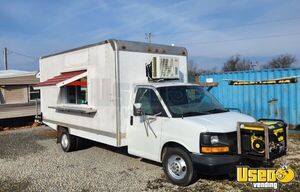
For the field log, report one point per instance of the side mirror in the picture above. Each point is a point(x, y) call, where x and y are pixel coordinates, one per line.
point(137, 109)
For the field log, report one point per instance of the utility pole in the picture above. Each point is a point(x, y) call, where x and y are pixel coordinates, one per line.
point(149, 36)
point(5, 58)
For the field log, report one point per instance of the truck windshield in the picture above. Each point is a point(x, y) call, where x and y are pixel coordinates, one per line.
point(185, 101)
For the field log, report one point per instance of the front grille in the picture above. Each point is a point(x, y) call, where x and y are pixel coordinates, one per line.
point(232, 141)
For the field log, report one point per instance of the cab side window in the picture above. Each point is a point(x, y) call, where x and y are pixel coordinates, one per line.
point(150, 103)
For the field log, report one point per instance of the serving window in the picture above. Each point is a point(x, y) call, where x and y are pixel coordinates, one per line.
point(77, 92)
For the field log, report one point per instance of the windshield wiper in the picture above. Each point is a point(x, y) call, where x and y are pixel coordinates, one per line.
point(216, 110)
point(194, 113)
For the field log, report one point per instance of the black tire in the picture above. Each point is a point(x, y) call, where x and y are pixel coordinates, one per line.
point(232, 174)
point(187, 173)
point(68, 142)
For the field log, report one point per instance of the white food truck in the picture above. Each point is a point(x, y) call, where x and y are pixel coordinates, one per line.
point(135, 94)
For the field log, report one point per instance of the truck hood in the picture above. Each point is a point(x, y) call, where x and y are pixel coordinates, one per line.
point(220, 122)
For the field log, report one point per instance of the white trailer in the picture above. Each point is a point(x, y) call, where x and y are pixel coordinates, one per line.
point(135, 94)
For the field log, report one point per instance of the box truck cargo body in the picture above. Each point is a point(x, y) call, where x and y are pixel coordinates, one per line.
point(110, 69)
point(135, 94)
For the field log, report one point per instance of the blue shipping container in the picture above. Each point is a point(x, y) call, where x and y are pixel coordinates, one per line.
point(275, 101)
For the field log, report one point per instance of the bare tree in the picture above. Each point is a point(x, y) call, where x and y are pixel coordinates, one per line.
point(192, 67)
point(283, 61)
point(194, 71)
point(235, 63)
point(208, 71)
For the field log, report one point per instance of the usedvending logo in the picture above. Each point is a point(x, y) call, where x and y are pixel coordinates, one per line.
point(265, 178)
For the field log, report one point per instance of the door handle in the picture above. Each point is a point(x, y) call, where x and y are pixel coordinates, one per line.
point(131, 120)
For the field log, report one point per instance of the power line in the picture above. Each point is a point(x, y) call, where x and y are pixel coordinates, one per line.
point(228, 27)
point(23, 55)
point(241, 39)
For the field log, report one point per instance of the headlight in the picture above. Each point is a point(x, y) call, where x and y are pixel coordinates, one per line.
point(214, 139)
point(217, 142)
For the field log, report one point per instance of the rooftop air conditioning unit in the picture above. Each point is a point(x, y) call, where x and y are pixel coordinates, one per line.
point(165, 68)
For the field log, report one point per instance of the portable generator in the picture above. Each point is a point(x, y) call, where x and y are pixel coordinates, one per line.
point(264, 140)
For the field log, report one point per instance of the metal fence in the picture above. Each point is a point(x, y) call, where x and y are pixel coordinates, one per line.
point(263, 94)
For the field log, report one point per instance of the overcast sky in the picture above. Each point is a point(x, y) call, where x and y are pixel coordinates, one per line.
point(211, 30)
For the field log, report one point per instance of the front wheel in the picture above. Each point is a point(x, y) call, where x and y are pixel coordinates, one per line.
point(178, 166)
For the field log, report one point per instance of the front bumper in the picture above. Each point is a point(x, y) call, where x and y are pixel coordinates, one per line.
point(216, 164)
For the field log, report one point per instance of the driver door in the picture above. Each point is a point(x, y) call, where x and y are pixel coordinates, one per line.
point(144, 133)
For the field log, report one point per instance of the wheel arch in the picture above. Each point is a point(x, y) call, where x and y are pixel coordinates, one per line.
point(59, 131)
point(62, 128)
point(172, 144)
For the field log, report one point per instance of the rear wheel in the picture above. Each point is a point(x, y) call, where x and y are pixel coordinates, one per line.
point(178, 166)
point(67, 142)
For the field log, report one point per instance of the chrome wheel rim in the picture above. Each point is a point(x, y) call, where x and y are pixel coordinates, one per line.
point(177, 167)
point(64, 141)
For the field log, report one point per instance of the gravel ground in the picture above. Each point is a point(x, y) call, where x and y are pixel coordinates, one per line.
point(30, 160)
